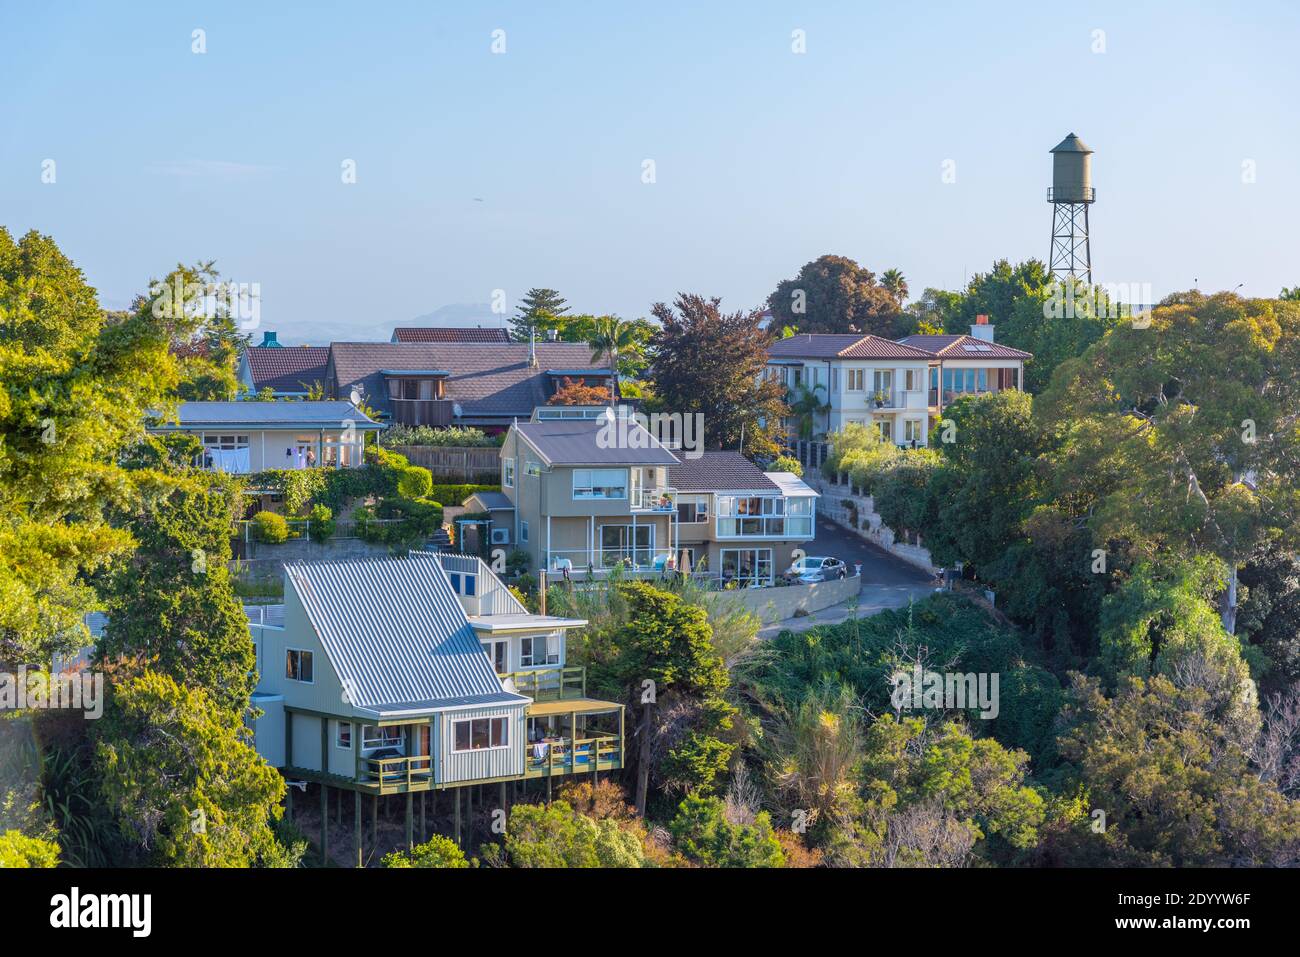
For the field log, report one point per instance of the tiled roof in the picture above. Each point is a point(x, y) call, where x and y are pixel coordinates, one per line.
point(953, 347)
point(839, 346)
point(578, 442)
point(449, 334)
point(282, 413)
point(718, 472)
point(286, 368)
point(396, 634)
point(485, 378)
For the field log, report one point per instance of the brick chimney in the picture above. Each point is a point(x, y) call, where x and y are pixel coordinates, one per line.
point(982, 329)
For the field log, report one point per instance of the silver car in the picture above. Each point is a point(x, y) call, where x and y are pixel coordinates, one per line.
point(816, 568)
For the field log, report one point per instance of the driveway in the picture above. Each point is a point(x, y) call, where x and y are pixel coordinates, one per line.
point(878, 566)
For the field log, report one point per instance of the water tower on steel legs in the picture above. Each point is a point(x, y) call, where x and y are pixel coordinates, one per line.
point(1071, 194)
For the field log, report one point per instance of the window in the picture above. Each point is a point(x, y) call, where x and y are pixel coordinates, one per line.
point(508, 473)
point(540, 650)
point(226, 443)
point(463, 584)
point(757, 515)
point(747, 566)
point(600, 483)
point(390, 736)
point(696, 510)
point(912, 430)
point(886, 427)
point(477, 734)
point(619, 544)
point(523, 531)
point(297, 665)
point(532, 468)
point(344, 739)
point(496, 652)
point(883, 380)
point(911, 380)
point(857, 379)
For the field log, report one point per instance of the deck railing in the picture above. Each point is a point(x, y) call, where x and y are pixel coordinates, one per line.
point(575, 756)
point(395, 772)
point(550, 684)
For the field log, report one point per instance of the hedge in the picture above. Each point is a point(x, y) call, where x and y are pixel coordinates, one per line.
point(458, 494)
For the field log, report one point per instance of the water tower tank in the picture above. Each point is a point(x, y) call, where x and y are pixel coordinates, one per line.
point(1071, 172)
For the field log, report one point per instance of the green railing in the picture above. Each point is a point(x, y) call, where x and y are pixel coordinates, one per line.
point(550, 684)
point(575, 757)
point(396, 772)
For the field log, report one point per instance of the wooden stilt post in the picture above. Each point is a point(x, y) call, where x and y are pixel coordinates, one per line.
point(356, 824)
point(424, 827)
point(410, 829)
point(374, 828)
point(456, 818)
point(324, 824)
point(505, 803)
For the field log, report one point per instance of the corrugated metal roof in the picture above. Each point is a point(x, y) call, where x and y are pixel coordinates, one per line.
point(282, 413)
point(396, 634)
point(578, 442)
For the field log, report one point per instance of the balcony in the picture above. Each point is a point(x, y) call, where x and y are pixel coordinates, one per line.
point(895, 400)
point(661, 499)
point(603, 752)
point(397, 774)
point(549, 684)
point(434, 412)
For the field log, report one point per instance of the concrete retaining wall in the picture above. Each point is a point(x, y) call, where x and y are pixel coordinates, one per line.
point(779, 603)
point(869, 524)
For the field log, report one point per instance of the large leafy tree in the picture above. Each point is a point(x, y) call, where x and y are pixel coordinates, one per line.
point(612, 338)
point(710, 362)
point(835, 294)
point(207, 337)
point(1176, 787)
point(75, 387)
point(1189, 429)
point(183, 780)
point(172, 603)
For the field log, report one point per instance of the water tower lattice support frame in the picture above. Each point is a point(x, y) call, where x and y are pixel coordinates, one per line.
point(1071, 248)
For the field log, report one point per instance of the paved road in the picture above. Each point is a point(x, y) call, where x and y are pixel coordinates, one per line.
point(878, 566)
point(887, 581)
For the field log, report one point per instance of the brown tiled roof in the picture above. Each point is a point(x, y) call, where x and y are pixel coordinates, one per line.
point(492, 379)
point(718, 472)
point(286, 368)
point(449, 334)
point(840, 346)
point(952, 347)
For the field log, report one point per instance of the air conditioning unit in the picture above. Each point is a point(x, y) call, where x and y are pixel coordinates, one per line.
point(500, 536)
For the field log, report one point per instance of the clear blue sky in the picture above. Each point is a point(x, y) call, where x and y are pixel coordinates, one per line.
point(765, 159)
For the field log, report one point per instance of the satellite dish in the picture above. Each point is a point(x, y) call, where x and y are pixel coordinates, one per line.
point(456, 410)
point(356, 397)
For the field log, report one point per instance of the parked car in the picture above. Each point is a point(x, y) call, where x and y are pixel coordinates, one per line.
point(816, 568)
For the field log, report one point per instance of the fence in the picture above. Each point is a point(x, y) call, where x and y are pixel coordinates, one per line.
point(467, 465)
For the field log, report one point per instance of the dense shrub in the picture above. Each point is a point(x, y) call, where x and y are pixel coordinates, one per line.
point(438, 851)
point(404, 521)
point(270, 528)
point(454, 437)
point(321, 525)
point(786, 463)
point(415, 482)
point(18, 850)
point(458, 494)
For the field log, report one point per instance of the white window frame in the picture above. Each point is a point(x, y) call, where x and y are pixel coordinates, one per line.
point(912, 430)
point(586, 492)
point(756, 553)
point(523, 531)
point(299, 652)
point(508, 473)
point(491, 719)
point(551, 653)
point(857, 380)
point(489, 646)
point(532, 468)
point(385, 739)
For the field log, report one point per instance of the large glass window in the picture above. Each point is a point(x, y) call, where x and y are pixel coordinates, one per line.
point(747, 566)
point(757, 515)
point(621, 543)
point(477, 734)
point(496, 652)
point(389, 736)
point(298, 665)
point(539, 650)
point(600, 483)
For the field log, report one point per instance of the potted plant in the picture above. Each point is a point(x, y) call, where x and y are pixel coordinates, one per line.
point(880, 398)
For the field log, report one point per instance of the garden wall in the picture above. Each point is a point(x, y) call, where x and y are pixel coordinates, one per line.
point(780, 603)
point(869, 524)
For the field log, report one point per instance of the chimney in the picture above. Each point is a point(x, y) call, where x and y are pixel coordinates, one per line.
point(982, 329)
point(268, 339)
point(532, 347)
point(552, 335)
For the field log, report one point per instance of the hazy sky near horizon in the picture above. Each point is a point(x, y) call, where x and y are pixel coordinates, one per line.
point(478, 171)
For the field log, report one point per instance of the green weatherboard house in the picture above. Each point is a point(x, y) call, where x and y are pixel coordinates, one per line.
point(409, 675)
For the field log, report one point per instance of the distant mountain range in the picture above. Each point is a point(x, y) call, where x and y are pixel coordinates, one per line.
point(323, 333)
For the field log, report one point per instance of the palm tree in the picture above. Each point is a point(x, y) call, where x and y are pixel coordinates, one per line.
point(610, 336)
point(806, 406)
point(895, 285)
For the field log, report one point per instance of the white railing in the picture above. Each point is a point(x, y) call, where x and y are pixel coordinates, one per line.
point(662, 499)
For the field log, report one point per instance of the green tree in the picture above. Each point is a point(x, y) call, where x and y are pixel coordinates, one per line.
point(1177, 789)
point(835, 294)
point(538, 307)
point(187, 787)
point(709, 362)
point(172, 603)
point(611, 338)
point(75, 387)
point(554, 835)
point(896, 285)
point(438, 851)
point(704, 836)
